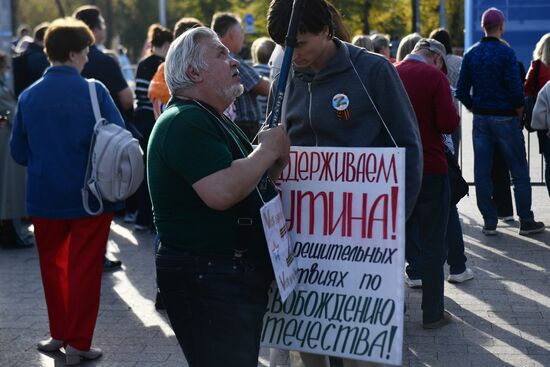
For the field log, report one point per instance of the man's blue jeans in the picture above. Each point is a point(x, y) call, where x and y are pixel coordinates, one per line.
point(502, 192)
point(215, 306)
point(506, 133)
point(425, 246)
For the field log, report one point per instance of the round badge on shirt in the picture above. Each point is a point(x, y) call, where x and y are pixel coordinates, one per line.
point(340, 102)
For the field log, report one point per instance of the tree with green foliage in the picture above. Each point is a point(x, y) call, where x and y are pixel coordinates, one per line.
point(129, 19)
point(455, 21)
point(384, 16)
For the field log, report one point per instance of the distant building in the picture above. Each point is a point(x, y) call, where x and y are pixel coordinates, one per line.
point(5, 26)
point(526, 22)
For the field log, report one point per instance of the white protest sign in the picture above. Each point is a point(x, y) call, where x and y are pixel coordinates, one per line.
point(345, 215)
point(280, 249)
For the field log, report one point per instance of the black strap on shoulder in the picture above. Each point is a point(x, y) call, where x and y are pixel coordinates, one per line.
point(233, 145)
point(535, 88)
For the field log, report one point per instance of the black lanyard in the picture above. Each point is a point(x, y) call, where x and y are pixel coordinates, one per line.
point(233, 140)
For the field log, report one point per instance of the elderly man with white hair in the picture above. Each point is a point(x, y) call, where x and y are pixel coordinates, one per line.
point(213, 267)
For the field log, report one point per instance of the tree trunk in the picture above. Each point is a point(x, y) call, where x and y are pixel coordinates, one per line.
point(442, 14)
point(60, 8)
point(416, 15)
point(109, 21)
point(366, 24)
point(14, 10)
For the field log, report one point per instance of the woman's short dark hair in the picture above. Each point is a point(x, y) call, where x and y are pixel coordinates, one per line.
point(90, 15)
point(315, 17)
point(66, 35)
point(442, 35)
point(159, 35)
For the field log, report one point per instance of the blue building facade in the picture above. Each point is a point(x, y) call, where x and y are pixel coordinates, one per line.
point(526, 22)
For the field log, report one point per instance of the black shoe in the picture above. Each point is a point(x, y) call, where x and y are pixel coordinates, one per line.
point(489, 230)
point(110, 265)
point(530, 227)
point(159, 305)
point(447, 317)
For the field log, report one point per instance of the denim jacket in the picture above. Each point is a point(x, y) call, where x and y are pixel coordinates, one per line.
point(52, 132)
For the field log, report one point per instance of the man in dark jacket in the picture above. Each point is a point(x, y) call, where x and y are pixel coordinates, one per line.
point(29, 66)
point(102, 67)
point(490, 70)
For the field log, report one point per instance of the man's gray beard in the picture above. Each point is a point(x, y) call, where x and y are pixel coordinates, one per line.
point(232, 92)
point(228, 94)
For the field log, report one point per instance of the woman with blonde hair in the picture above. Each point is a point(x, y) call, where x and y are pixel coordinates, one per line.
point(537, 76)
point(407, 45)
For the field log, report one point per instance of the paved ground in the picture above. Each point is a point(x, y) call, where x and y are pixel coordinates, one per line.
point(502, 316)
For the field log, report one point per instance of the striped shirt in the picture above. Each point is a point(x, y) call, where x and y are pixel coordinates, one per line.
point(145, 71)
point(263, 70)
point(247, 106)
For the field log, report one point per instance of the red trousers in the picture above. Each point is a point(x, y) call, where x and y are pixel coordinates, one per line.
point(71, 262)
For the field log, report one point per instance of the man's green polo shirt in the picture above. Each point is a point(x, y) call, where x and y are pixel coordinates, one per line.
point(187, 144)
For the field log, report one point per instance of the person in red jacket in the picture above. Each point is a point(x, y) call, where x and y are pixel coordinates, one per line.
point(430, 95)
point(540, 66)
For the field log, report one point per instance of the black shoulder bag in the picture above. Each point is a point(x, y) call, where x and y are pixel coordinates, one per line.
point(459, 186)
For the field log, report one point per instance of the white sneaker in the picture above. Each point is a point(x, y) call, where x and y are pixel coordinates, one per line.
point(462, 277)
point(413, 283)
point(73, 356)
point(50, 345)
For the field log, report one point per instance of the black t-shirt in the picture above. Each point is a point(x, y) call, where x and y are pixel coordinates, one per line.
point(145, 71)
point(29, 67)
point(106, 70)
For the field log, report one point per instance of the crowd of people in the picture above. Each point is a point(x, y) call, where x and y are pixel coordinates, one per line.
point(197, 108)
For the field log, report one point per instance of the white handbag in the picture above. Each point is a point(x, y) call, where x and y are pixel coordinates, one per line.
point(115, 166)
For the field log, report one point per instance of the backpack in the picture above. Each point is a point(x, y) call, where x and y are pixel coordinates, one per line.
point(115, 166)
